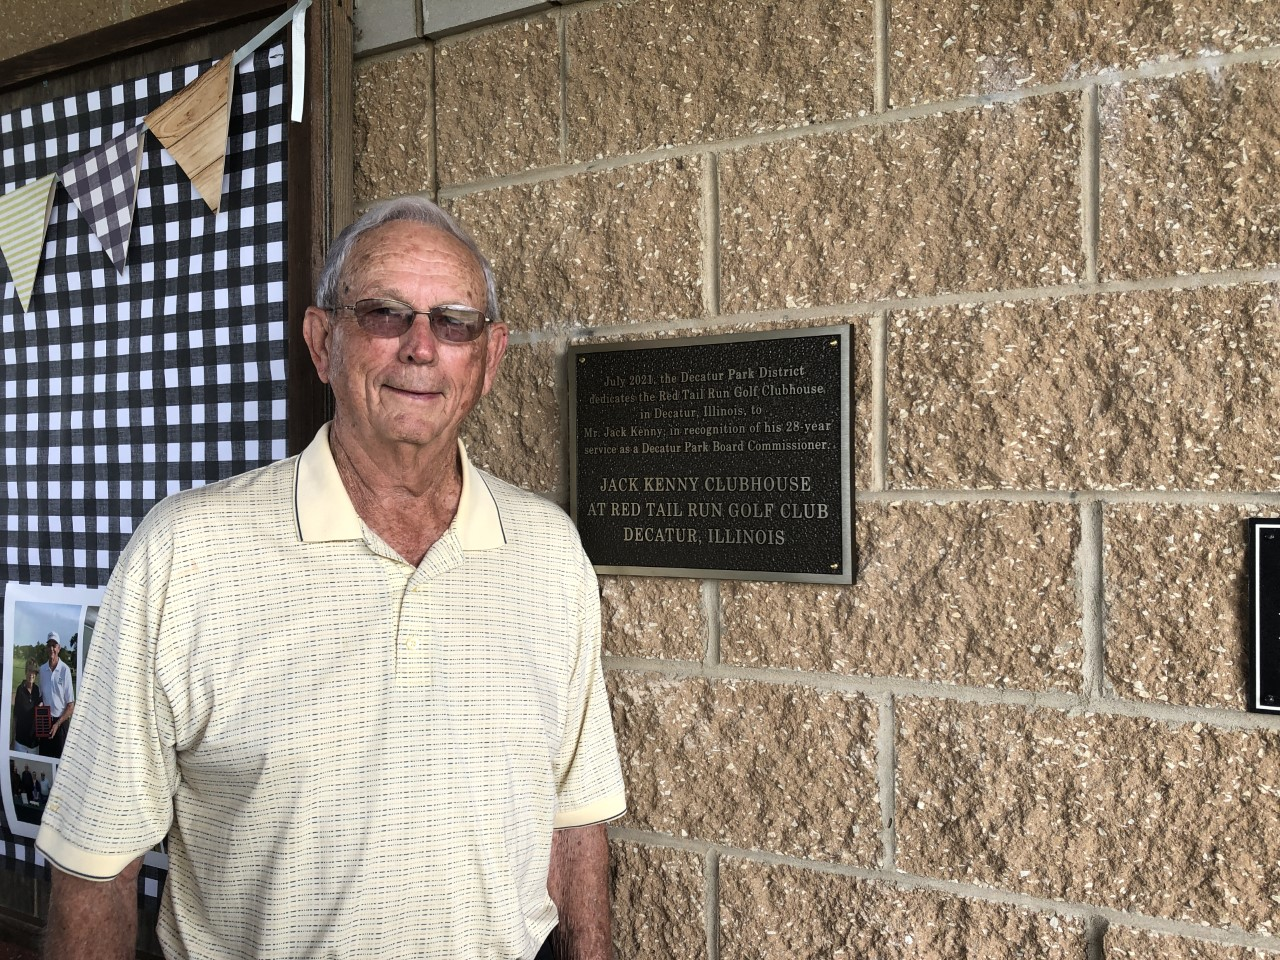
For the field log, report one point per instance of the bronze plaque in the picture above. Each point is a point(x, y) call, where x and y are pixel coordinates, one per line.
point(721, 456)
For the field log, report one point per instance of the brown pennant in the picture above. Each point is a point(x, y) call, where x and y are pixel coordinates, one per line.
point(192, 125)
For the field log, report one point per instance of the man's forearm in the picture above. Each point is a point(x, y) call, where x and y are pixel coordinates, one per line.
point(92, 920)
point(579, 885)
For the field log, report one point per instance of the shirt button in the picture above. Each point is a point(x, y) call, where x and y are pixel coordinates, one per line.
point(412, 644)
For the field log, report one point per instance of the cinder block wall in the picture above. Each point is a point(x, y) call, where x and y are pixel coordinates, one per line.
point(1055, 231)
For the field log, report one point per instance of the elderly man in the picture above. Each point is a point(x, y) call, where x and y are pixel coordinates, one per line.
point(374, 610)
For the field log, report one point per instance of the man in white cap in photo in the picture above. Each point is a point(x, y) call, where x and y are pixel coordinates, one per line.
point(59, 694)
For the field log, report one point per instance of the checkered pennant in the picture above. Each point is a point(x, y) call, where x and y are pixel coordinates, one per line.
point(103, 185)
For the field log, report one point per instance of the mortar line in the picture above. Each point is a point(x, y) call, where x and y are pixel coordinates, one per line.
point(887, 772)
point(841, 312)
point(880, 41)
point(1150, 497)
point(1231, 936)
point(562, 31)
point(711, 610)
point(891, 116)
point(711, 235)
point(879, 401)
point(462, 33)
point(581, 6)
point(1069, 703)
point(1089, 186)
point(1089, 571)
point(391, 53)
point(711, 891)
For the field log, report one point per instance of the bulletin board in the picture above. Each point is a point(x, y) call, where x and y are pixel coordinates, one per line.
point(121, 387)
point(177, 366)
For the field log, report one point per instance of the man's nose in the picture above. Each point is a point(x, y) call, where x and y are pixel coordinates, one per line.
point(418, 344)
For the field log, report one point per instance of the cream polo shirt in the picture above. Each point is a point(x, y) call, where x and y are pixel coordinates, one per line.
point(350, 757)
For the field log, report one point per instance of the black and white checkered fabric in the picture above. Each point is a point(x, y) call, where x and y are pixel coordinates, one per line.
point(121, 388)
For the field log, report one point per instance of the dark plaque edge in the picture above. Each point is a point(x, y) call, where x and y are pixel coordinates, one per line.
point(1256, 526)
point(843, 332)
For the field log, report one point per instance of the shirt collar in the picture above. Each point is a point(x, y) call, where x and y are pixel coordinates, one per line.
point(323, 509)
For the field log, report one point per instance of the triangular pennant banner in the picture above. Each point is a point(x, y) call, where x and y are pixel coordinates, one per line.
point(103, 184)
point(24, 217)
point(192, 125)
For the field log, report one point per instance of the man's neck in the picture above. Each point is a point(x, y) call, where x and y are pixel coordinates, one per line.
point(408, 498)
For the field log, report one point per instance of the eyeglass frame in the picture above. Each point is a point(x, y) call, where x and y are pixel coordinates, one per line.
point(433, 315)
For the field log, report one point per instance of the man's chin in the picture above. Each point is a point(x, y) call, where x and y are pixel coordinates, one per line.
point(407, 432)
point(401, 425)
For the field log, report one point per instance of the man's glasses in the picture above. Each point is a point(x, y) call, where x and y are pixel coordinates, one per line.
point(390, 318)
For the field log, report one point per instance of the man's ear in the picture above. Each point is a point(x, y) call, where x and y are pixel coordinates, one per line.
point(316, 331)
point(495, 347)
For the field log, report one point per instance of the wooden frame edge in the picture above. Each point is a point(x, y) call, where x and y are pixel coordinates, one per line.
point(324, 204)
point(127, 37)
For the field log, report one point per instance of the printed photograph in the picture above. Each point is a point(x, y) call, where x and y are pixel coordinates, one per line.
point(29, 782)
point(46, 630)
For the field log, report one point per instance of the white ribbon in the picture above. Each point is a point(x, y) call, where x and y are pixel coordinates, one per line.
point(296, 13)
point(299, 57)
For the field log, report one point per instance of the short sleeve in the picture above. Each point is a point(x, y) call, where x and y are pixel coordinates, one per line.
point(112, 797)
point(588, 773)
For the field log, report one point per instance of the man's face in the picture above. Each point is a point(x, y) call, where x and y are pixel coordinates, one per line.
point(53, 654)
point(412, 389)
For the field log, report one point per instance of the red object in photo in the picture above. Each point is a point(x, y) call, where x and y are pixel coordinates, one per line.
point(44, 721)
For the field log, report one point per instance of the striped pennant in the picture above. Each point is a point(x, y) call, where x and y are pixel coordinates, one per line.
point(103, 185)
point(24, 217)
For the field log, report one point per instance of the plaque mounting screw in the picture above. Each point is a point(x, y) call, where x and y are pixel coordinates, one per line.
point(835, 566)
point(582, 359)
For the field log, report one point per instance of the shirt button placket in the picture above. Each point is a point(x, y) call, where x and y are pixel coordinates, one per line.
point(414, 662)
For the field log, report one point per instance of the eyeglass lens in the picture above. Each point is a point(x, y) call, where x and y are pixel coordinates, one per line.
point(391, 318)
